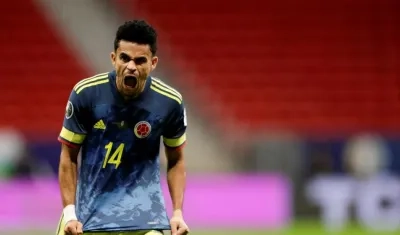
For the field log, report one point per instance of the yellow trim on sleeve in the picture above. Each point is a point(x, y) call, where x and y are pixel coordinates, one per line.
point(91, 84)
point(158, 83)
point(160, 87)
point(91, 79)
point(175, 142)
point(163, 92)
point(71, 136)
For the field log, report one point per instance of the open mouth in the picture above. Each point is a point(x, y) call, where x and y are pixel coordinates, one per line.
point(130, 81)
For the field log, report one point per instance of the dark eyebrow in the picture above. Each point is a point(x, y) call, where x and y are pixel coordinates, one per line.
point(139, 58)
point(124, 54)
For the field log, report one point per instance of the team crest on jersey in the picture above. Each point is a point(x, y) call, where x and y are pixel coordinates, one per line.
point(69, 110)
point(142, 129)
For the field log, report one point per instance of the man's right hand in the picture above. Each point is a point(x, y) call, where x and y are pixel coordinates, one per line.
point(73, 227)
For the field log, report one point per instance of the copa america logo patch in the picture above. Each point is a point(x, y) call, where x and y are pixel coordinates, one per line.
point(142, 129)
point(69, 110)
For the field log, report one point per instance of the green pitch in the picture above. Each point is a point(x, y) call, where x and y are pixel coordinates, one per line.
point(298, 228)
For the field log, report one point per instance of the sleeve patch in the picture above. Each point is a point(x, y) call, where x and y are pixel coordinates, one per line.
point(175, 142)
point(71, 136)
point(69, 110)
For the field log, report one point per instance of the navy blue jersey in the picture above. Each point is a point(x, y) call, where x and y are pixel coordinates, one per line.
point(119, 176)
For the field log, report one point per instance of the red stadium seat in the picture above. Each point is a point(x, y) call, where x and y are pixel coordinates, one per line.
point(310, 66)
point(38, 71)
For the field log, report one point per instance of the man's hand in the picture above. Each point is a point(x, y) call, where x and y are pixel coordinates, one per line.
point(178, 225)
point(73, 227)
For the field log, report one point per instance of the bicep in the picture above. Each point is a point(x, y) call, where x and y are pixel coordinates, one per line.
point(174, 155)
point(68, 154)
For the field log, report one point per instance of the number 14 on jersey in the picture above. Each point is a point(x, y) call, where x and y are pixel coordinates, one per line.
point(114, 158)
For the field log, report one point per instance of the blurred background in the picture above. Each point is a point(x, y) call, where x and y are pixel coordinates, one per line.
point(294, 111)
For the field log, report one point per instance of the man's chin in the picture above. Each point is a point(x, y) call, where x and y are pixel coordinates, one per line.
point(129, 91)
point(132, 92)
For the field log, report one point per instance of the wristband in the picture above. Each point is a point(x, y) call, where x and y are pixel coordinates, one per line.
point(69, 214)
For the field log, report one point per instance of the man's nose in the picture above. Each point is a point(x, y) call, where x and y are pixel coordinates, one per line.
point(131, 65)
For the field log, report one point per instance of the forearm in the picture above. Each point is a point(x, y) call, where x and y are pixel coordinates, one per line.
point(67, 180)
point(176, 176)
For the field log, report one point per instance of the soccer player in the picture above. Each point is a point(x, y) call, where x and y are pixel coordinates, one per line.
point(116, 121)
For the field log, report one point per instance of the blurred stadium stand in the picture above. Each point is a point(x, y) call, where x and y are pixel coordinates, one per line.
point(301, 66)
point(38, 71)
point(303, 91)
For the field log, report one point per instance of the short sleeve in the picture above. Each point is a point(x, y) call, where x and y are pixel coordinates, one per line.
point(73, 132)
point(175, 131)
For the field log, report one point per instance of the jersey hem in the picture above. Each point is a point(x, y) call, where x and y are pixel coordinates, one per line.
point(166, 228)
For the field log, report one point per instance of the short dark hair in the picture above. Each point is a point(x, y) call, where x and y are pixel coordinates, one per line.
point(137, 31)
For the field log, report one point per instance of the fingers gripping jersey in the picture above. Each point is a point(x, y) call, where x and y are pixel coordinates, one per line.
point(119, 178)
